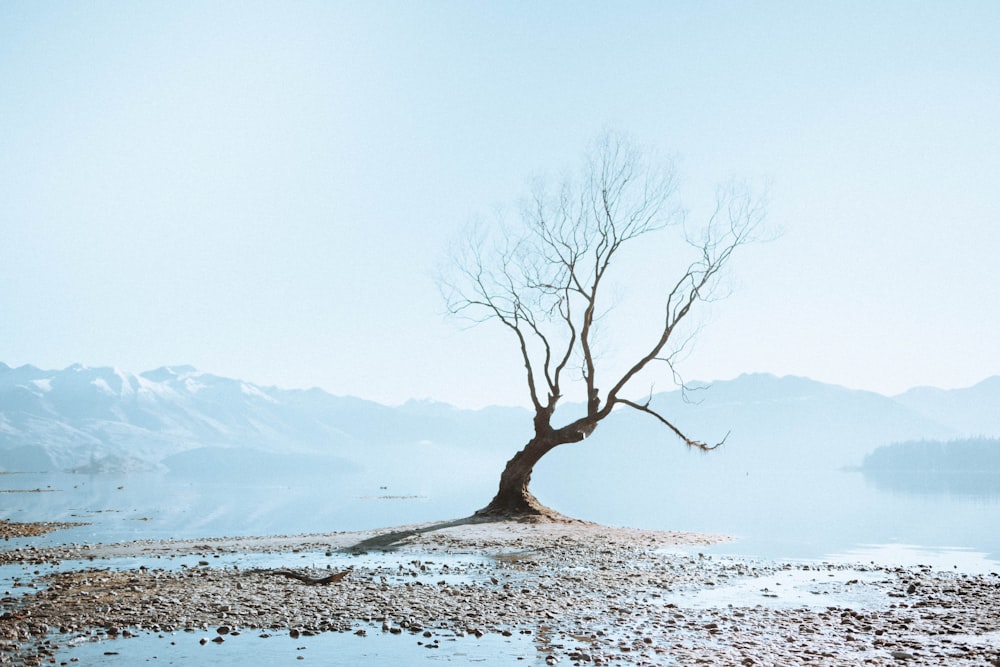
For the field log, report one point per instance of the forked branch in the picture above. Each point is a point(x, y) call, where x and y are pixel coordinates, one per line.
point(548, 278)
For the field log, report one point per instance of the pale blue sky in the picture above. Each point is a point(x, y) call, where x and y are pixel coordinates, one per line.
point(262, 190)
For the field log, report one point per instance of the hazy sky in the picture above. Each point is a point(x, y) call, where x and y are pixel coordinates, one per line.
point(263, 190)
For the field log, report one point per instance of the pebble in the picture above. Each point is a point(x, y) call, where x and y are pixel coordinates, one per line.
point(595, 596)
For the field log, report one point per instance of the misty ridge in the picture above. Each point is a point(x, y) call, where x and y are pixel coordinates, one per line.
point(965, 467)
point(178, 419)
point(961, 455)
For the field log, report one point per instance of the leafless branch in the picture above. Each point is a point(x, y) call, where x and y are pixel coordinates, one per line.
point(548, 279)
point(644, 407)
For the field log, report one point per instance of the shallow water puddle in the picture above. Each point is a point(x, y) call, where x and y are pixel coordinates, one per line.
point(186, 648)
point(19, 579)
point(794, 587)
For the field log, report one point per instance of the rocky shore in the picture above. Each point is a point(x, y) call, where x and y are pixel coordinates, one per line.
point(581, 593)
point(12, 529)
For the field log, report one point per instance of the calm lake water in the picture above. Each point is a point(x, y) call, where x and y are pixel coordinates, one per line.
point(781, 514)
point(775, 514)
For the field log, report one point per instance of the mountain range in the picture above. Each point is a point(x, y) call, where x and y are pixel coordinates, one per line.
point(180, 419)
point(103, 419)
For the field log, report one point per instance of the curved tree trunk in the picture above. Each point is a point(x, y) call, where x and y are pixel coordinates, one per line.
point(513, 497)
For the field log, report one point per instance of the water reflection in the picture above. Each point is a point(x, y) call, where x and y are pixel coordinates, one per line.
point(778, 514)
point(784, 513)
point(965, 485)
point(120, 507)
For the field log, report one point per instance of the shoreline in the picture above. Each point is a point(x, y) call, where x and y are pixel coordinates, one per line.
point(481, 535)
point(583, 593)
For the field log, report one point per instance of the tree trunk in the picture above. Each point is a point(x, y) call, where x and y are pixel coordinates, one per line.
point(513, 497)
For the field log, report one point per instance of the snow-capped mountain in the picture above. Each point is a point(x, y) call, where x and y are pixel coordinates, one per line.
point(96, 419)
point(79, 417)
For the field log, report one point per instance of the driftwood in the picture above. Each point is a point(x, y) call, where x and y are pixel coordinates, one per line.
point(334, 578)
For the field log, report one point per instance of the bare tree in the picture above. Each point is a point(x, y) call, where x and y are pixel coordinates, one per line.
point(548, 279)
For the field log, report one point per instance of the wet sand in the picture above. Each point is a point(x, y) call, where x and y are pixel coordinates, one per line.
point(583, 594)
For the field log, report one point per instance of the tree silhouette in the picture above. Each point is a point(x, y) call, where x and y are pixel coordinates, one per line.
point(550, 278)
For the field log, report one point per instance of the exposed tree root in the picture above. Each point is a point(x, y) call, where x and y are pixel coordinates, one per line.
point(337, 577)
point(521, 506)
point(536, 513)
point(391, 540)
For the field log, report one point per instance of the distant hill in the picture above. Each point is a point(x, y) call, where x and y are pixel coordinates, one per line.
point(961, 455)
point(766, 421)
point(972, 411)
point(964, 467)
point(104, 419)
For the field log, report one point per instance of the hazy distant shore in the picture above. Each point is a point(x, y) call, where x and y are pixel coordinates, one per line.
point(580, 593)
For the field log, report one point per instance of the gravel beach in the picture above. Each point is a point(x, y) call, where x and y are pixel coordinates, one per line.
point(582, 593)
